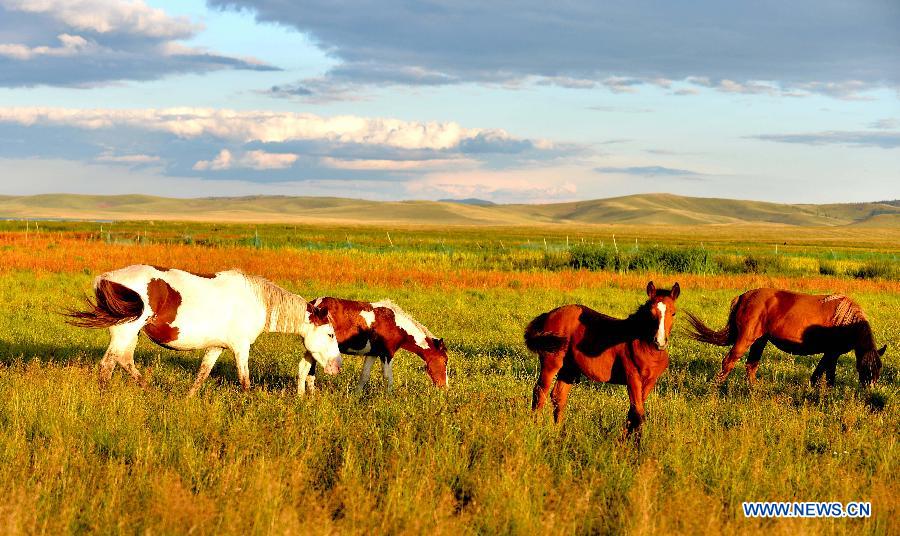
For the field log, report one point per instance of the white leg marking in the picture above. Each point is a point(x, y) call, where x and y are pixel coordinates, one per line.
point(206, 366)
point(387, 370)
point(242, 360)
point(303, 374)
point(366, 371)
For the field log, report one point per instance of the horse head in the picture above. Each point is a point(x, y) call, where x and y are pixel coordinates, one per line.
point(436, 361)
point(320, 340)
point(661, 308)
point(868, 365)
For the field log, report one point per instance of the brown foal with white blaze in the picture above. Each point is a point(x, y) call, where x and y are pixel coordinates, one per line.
point(799, 324)
point(378, 330)
point(573, 340)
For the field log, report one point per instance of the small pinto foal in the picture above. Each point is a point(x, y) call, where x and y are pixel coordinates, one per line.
point(378, 330)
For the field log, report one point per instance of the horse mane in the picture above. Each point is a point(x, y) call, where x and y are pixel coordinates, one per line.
point(847, 312)
point(642, 314)
point(399, 311)
point(285, 311)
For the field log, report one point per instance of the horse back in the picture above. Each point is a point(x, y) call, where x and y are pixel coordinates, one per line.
point(362, 328)
point(799, 323)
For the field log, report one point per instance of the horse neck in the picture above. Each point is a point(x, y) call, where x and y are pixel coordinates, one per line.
point(865, 339)
point(409, 344)
point(638, 325)
point(285, 311)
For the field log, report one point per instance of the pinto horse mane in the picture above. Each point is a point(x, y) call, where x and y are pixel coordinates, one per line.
point(399, 311)
point(847, 312)
point(286, 311)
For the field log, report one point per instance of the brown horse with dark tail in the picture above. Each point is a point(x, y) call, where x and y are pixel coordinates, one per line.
point(799, 324)
point(573, 340)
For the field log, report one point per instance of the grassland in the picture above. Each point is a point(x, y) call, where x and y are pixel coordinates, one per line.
point(468, 460)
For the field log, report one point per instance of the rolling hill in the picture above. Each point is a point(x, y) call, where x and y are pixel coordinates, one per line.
point(644, 209)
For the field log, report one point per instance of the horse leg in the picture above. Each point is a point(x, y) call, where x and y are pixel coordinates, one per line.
point(560, 394)
point(209, 360)
point(647, 386)
point(388, 372)
point(366, 372)
point(734, 355)
point(242, 360)
point(756, 350)
point(831, 372)
point(306, 364)
point(123, 339)
point(550, 365)
point(828, 366)
point(311, 377)
point(636, 414)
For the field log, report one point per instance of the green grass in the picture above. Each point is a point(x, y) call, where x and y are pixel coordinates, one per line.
point(469, 460)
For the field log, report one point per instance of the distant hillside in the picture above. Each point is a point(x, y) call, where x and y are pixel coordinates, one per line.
point(645, 209)
point(469, 201)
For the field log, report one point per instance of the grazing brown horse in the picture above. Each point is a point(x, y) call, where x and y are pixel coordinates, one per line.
point(799, 324)
point(573, 340)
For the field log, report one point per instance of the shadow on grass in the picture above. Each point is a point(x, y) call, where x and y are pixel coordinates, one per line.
point(147, 361)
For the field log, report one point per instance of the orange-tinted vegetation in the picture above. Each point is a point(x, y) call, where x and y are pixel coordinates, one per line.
point(62, 254)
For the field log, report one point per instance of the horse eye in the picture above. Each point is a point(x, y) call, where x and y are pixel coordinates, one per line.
point(331, 335)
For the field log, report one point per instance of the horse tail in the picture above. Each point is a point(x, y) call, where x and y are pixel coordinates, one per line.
point(537, 340)
point(114, 304)
point(723, 337)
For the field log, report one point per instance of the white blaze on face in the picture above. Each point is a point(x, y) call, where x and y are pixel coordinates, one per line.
point(368, 316)
point(661, 332)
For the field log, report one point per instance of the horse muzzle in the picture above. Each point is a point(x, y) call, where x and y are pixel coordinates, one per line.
point(334, 366)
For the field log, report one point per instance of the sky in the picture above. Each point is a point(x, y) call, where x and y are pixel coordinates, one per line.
point(520, 101)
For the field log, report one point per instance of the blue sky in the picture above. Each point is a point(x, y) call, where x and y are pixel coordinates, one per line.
point(508, 101)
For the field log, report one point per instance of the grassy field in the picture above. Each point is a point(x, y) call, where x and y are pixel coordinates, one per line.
point(471, 459)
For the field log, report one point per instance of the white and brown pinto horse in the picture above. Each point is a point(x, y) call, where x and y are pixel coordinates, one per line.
point(181, 310)
point(378, 330)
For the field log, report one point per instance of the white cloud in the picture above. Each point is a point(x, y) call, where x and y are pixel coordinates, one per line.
point(71, 45)
point(263, 126)
point(108, 16)
point(397, 165)
point(258, 160)
point(85, 43)
point(527, 186)
point(129, 159)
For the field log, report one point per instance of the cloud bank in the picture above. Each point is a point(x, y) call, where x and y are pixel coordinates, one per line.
point(262, 146)
point(730, 46)
point(85, 43)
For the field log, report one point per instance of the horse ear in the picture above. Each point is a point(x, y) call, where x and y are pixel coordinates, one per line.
point(883, 350)
point(651, 289)
point(322, 312)
point(439, 343)
point(676, 291)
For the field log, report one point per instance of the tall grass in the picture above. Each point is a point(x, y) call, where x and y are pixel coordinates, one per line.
point(650, 259)
point(469, 460)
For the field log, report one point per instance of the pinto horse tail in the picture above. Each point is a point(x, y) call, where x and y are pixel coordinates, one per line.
point(703, 333)
point(114, 304)
point(537, 340)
